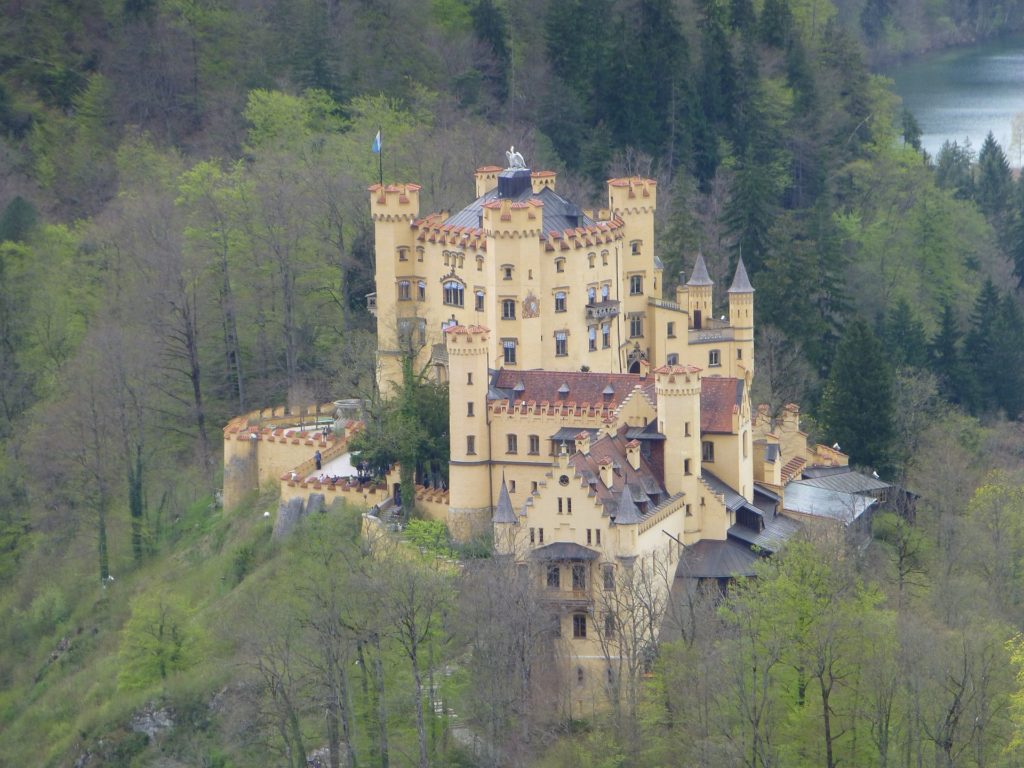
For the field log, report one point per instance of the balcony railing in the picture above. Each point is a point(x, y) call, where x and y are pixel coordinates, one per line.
point(602, 309)
point(371, 303)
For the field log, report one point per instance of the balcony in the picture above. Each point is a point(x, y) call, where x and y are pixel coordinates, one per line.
point(371, 303)
point(603, 310)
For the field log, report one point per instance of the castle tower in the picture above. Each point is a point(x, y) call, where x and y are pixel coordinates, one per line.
point(678, 393)
point(741, 318)
point(634, 200)
point(699, 297)
point(486, 179)
point(469, 511)
point(393, 208)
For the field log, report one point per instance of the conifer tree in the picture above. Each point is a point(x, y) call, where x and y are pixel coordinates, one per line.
point(1008, 384)
point(750, 212)
point(1015, 236)
point(995, 182)
point(953, 169)
point(955, 380)
point(857, 404)
point(981, 340)
point(904, 337)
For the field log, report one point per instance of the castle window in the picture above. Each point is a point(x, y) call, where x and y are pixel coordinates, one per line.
point(507, 272)
point(589, 533)
point(403, 254)
point(479, 263)
point(608, 577)
point(403, 290)
point(673, 359)
point(469, 378)
point(560, 503)
point(470, 445)
point(689, 513)
point(454, 294)
point(634, 247)
point(686, 429)
point(591, 295)
point(534, 445)
point(606, 335)
point(671, 330)
point(559, 265)
point(579, 631)
point(707, 451)
point(579, 576)
point(592, 338)
point(508, 309)
point(636, 327)
point(469, 408)
point(714, 358)
point(419, 253)
point(554, 577)
point(508, 348)
point(609, 630)
point(533, 536)
point(561, 344)
point(540, 535)
point(636, 285)
point(686, 467)
point(597, 531)
point(605, 291)
point(590, 260)
point(560, 301)
point(512, 444)
point(579, 670)
point(479, 303)
point(739, 354)
point(568, 506)
point(421, 291)
point(533, 486)
point(604, 258)
point(511, 486)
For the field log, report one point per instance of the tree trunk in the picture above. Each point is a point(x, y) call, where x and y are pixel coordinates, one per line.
point(421, 728)
point(382, 707)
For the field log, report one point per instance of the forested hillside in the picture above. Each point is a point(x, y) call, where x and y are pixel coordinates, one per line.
point(184, 236)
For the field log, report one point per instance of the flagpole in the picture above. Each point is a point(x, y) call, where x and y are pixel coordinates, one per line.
point(380, 157)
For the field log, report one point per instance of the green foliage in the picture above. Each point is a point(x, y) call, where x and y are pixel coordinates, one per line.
point(159, 640)
point(430, 536)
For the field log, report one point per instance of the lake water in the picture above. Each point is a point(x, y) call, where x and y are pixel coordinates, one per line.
point(965, 93)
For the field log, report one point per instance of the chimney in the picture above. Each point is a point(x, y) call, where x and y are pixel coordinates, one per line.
point(633, 453)
point(583, 442)
point(607, 474)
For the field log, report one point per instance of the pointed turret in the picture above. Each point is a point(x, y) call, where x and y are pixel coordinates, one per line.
point(628, 513)
point(503, 512)
point(741, 318)
point(740, 281)
point(699, 293)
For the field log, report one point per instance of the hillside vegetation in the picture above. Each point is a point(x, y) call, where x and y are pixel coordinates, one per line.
point(184, 237)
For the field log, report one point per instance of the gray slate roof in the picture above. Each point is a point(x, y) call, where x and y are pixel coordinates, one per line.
point(709, 559)
point(844, 481)
point(503, 512)
point(777, 531)
point(740, 281)
point(559, 214)
point(700, 274)
point(806, 499)
point(627, 512)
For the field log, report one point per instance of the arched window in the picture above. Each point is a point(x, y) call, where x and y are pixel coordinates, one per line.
point(421, 291)
point(592, 337)
point(479, 305)
point(591, 295)
point(403, 290)
point(454, 293)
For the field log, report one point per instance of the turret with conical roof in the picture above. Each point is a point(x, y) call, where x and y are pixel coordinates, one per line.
point(699, 290)
point(504, 522)
point(627, 513)
point(741, 318)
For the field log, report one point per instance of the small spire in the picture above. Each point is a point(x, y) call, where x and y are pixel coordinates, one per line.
point(700, 274)
point(503, 512)
point(627, 514)
point(740, 281)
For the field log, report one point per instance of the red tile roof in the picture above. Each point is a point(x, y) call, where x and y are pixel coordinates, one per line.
point(584, 387)
point(719, 400)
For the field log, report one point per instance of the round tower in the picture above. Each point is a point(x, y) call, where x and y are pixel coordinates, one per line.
point(678, 393)
point(469, 480)
point(699, 294)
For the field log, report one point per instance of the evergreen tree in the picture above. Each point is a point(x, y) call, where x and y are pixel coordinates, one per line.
point(984, 346)
point(1015, 235)
point(911, 130)
point(750, 212)
point(1008, 384)
point(947, 362)
point(776, 23)
point(953, 169)
point(17, 220)
point(857, 404)
point(904, 338)
point(995, 182)
point(491, 27)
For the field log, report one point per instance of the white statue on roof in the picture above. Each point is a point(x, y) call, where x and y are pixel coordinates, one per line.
point(515, 159)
